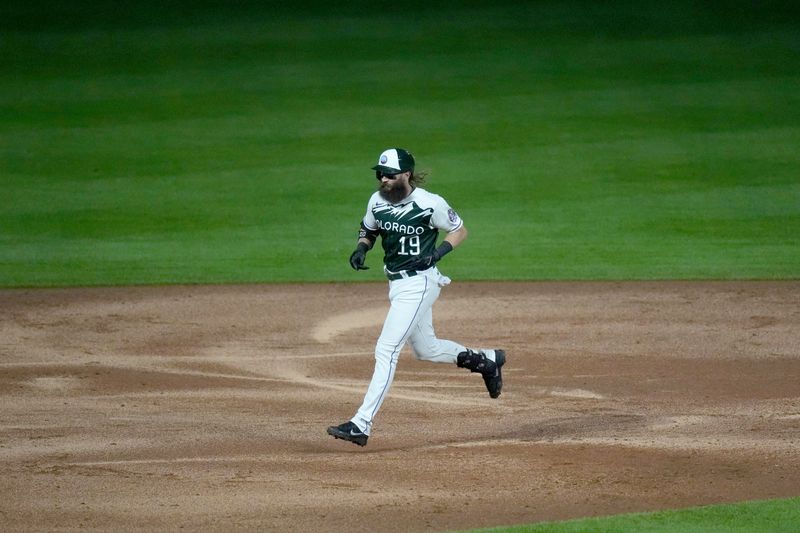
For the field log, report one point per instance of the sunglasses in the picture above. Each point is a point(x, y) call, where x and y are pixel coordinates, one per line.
point(380, 175)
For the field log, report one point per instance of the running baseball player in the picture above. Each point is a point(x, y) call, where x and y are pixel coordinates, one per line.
point(408, 220)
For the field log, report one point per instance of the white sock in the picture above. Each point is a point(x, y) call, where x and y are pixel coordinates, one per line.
point(489, 354)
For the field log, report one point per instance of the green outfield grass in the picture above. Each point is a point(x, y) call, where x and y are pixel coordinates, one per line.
point(180, 142)
point(773, 516)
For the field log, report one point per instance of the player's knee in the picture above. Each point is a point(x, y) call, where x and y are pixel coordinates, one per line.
point(385, 349)
point(424, 351)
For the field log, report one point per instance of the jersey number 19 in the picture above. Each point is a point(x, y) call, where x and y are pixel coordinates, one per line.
point(412, 243)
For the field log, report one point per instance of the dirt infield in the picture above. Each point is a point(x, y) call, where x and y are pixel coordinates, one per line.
point(205, 408)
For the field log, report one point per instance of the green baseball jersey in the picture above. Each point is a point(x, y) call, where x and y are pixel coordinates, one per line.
point(410, 228)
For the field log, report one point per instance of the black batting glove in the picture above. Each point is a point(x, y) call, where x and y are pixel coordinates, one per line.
point(358, 256)
point(424, 262)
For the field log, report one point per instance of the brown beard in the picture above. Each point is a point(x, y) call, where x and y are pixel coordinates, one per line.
point(393, 191)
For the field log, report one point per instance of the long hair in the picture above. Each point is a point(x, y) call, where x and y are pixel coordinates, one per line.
point(417, 178)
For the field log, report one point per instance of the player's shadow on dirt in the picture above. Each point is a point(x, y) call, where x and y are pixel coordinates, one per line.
point(579, 426)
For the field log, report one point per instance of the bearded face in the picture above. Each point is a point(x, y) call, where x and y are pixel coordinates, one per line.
point(394, 191)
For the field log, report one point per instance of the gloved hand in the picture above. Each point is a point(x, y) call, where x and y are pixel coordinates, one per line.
point(358, 256)
point(424, 262)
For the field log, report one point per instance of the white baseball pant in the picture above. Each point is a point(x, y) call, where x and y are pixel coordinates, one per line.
point(410, 319)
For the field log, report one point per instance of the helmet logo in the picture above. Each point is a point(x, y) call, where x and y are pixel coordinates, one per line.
point(384, 159)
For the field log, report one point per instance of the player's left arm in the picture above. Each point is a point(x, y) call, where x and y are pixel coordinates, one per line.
point(448, 220)
point(456, 237)
point(453, 239)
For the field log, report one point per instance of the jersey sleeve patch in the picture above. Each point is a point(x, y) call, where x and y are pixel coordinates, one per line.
point(445, 217)
point(452, 216)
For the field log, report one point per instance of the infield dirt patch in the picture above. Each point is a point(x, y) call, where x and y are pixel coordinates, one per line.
point(205, 407)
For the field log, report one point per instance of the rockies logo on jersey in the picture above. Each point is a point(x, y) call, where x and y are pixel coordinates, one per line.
point(407, 218)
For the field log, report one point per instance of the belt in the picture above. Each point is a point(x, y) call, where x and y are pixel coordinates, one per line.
point(400, 275)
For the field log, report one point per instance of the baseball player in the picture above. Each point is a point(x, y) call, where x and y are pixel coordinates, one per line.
point(408, 220)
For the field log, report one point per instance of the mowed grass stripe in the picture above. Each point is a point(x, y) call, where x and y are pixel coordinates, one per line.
point(747, 517)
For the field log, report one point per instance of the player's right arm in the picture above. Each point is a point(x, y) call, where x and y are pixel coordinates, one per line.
point(367, 235)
